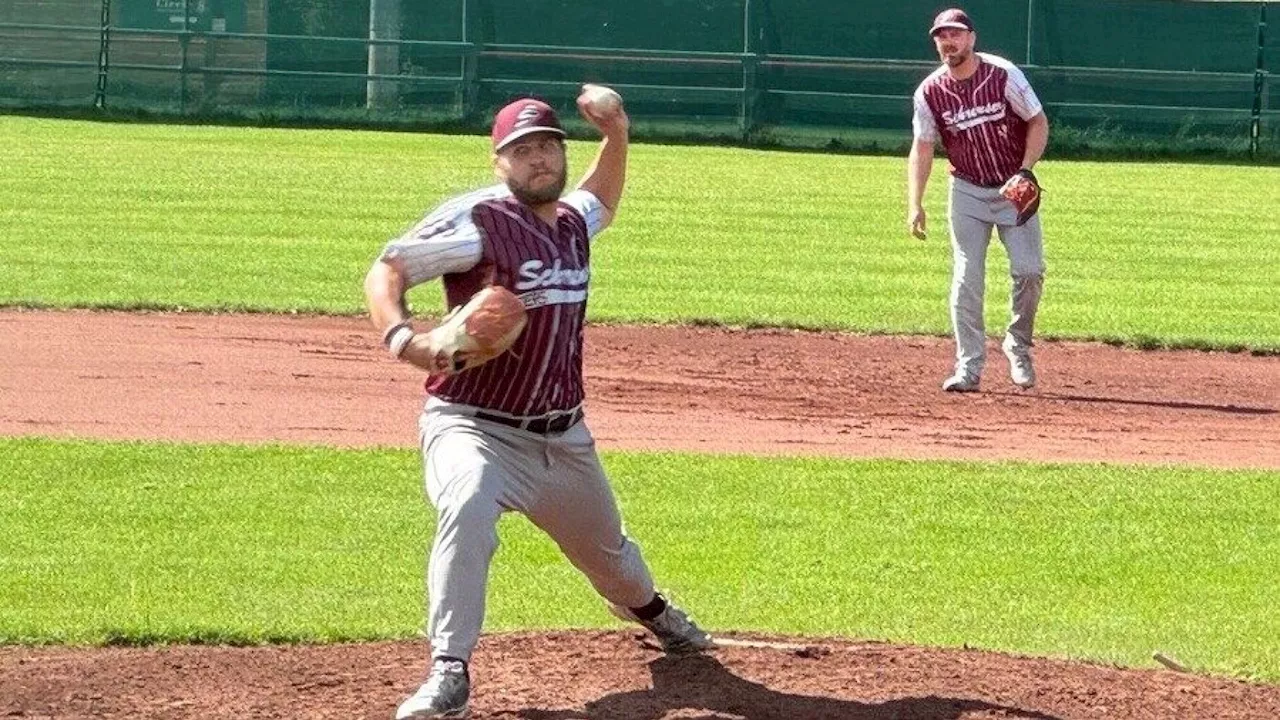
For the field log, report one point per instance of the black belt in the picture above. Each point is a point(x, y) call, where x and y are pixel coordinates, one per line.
point(544, 425)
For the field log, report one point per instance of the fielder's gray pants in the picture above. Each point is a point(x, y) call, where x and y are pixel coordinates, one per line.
point(476, 470)
point(974, 210)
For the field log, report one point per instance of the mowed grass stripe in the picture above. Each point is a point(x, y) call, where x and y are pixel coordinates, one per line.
point(276, 220)
point(131, 542)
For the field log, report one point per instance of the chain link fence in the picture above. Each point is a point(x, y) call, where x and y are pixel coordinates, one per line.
point(1191, 75)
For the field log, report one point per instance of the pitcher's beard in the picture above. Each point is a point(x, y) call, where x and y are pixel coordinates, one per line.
point(529, 196)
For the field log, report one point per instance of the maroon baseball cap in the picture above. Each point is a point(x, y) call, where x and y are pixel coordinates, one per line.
point(953, 18)
point(523, 117)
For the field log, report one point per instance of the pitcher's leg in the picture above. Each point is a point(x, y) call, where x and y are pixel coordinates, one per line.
point(970, 236)
point(465, 483)
point(593, 540)
point(578, 510)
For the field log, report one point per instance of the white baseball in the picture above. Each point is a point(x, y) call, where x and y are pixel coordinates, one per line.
point(601, 100)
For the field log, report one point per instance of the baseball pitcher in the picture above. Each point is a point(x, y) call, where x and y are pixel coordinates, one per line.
point(991, 123)
point(503, 426)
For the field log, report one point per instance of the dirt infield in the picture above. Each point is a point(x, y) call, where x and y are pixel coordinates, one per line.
point(610, 676)
point(323, 380)
point(262, 378)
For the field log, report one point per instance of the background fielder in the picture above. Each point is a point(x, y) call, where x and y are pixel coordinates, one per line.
point(509, 434)
point(992, 125)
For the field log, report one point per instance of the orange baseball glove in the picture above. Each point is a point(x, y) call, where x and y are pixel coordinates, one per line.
point(1023, 190)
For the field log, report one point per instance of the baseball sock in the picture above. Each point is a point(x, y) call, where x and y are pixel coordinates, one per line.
point(653, 609)
point(465, 664)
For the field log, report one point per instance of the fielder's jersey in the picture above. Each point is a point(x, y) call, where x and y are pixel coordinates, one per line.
point(982, 120)
point(489, 238)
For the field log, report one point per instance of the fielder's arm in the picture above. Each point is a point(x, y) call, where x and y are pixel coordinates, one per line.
point(607, 174)
point(919, 165)
point(1037, 140)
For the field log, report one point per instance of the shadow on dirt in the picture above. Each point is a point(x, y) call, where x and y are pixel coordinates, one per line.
point(702, 685)
point(1171, 404)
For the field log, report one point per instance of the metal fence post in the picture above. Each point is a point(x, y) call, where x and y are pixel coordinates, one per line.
point(381, 92)
point(104, 47)
point(1031, 9)
point(184, 41)
point(1259, 82)
point(469, 91)
point(750, 71)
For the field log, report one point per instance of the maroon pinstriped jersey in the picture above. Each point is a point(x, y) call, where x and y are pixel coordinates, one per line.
point(981, 121)
point(549, 270)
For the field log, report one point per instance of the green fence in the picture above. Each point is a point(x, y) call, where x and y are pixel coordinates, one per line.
point(1139, 68)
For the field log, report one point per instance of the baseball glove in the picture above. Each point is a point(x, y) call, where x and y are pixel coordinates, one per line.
point(470, 335)
point(1023, 190)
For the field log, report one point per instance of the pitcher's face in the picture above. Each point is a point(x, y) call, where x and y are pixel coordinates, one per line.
point(534, 168)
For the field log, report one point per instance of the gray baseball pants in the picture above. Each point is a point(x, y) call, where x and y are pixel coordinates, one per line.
point(475, 470)
point(974, 210)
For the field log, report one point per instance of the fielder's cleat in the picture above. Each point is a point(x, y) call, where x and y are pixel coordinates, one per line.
point(1021, 371)
point(678, 634)
point(443, 695)
point(960, 382)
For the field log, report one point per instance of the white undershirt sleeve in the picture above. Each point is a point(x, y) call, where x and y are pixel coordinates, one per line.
point(922, 122)
point(1021, 97)
point(589, 207)
point(445, 241)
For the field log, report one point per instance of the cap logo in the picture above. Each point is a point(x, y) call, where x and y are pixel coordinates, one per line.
point(527, 114)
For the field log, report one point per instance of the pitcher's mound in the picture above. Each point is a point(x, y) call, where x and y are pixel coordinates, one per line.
point(615, 675)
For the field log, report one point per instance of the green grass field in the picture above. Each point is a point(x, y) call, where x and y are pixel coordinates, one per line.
point(143, 543)
point(235, 218)
point(136, 543)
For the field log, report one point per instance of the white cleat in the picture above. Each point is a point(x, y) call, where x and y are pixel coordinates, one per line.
point(678, 634)
point(443, 695)
point(1021, 371)
point(960, 382)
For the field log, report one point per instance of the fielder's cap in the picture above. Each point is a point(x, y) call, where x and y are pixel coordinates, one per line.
point(953, 18)
point(524, 117)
